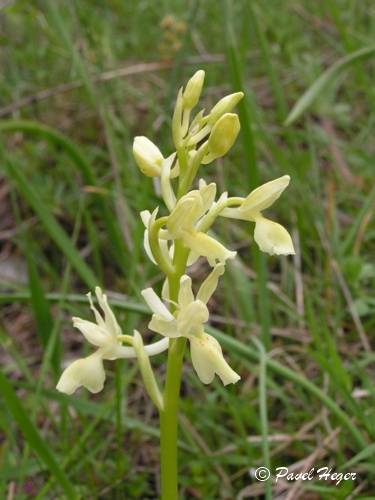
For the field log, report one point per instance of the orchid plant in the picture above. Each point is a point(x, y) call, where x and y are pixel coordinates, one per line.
point(173, 242)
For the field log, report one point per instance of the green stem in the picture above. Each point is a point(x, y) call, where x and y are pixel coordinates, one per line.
point(168, 421)
point(169, 414)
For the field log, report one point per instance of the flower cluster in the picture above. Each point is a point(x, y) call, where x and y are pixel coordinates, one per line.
point(176, 240)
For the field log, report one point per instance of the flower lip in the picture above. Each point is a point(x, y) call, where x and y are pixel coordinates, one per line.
point(87, 372)
point(272, 237)
point(208, 360)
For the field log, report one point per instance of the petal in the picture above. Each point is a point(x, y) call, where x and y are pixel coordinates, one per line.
point(208, 359)
point(185, 294)
point(186, 212)
point(164, 327)
point(110, 320)
point(165, 290)
point(100, 321)
point(206, 246)
point(204, 369)
point(145, 216)
point(190, 319)
point(209, 218)
point(209, 285)
point(152, 217)
point(155, 304)
point(272, 237)
point(208, 194)
point(264, 196)
point(146, 246)
point(92, 332)
point(87, 372)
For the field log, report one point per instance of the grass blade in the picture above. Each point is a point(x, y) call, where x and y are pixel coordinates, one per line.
point(243, 351)
point(53, 228)
point(40, 307)
point(33, 437)
point(325, 79)
point(246, 352)
point(235, 68)
point(263, 413)
point(58, 139)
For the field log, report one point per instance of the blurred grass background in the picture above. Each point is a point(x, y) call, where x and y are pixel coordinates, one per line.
point(79, 80)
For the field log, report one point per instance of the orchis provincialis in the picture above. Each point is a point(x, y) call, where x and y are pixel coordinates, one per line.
point(173, 241)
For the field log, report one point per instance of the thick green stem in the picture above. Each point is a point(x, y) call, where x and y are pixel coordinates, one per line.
point(168, 421)
point(169, 414)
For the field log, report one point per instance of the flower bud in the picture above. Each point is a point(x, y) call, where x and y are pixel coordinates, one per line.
point(193, 90)
point(225, 105)
point(147, 156)
point(222, 137)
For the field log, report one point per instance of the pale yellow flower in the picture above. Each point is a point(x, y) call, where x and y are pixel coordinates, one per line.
point(184, 219)
point(270, 236)
point(188, 321)
point(105, 334)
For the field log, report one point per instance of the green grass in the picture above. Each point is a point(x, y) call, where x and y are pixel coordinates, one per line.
point(300, 331)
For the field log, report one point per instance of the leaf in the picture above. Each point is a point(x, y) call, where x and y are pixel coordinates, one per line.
point(325, 79)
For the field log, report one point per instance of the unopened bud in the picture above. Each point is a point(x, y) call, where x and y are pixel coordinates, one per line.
point(222, 137)
point(147, 156)
point(193, 90)
point(225, 105)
